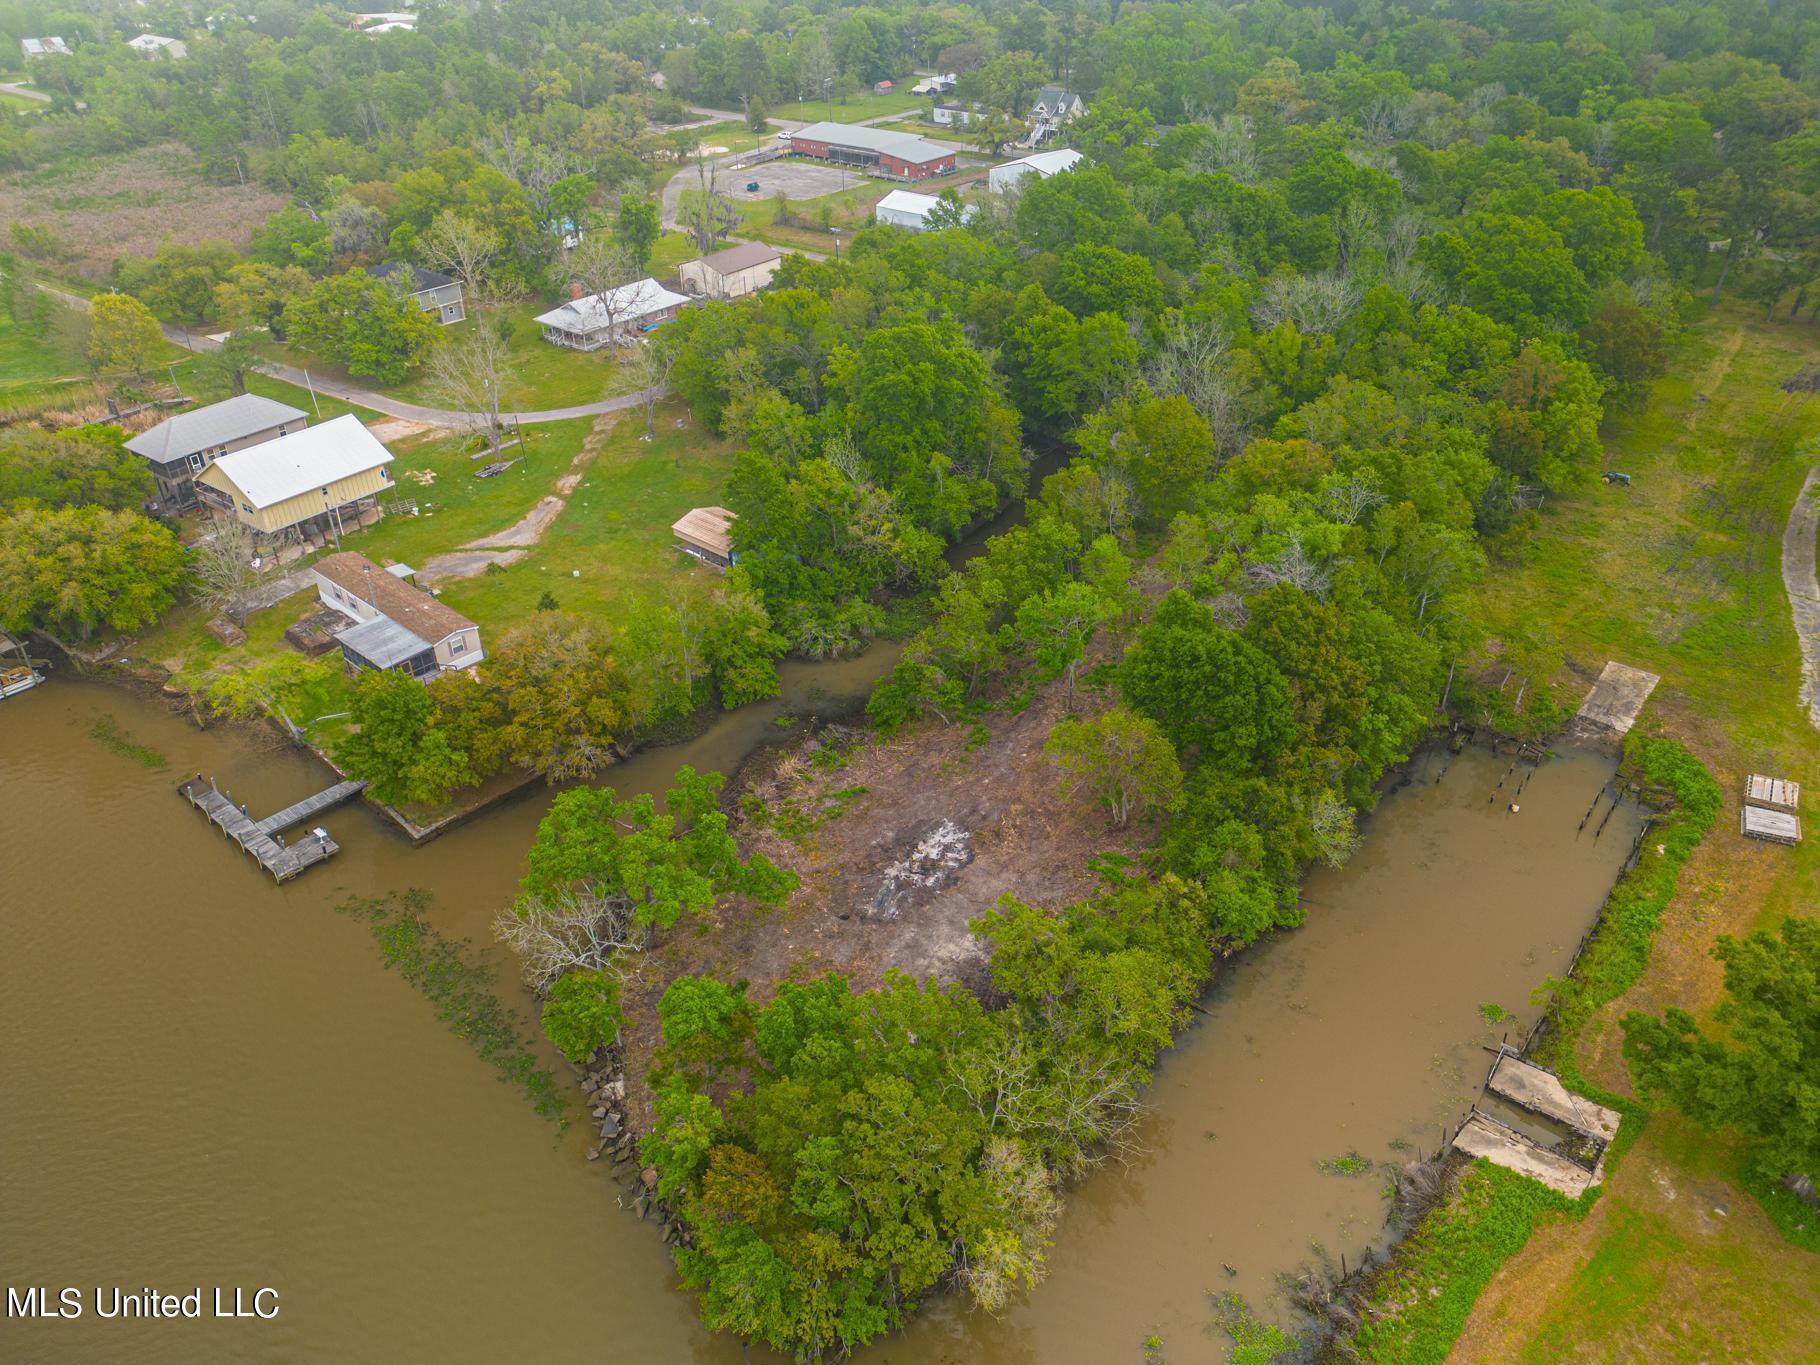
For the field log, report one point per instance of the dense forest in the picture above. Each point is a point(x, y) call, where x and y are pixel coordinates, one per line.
point(1335, 304)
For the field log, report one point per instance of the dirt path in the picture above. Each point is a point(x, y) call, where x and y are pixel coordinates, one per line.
point(1798, 577)
point(515, 542)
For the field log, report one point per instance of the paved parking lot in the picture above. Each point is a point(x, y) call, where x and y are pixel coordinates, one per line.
point(798, 179)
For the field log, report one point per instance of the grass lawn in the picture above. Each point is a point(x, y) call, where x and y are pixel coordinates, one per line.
point(321, 407)
point(29, 360)
point(613, 538)
point(1680, 574)
point(20, 104)
point(851, 110)
point(672, 249)
point(850, 210)
point(730, 137)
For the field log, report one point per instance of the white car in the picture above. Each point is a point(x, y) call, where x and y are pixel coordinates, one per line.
point(784, 136)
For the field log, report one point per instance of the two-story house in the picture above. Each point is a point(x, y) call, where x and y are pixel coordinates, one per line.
point(181, 447)
point(430, 290)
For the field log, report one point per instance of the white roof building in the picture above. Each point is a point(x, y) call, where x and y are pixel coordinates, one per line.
point(587, 323)
point(44, 47)
point(303, 462)
point(905, 209)
point(1043, 164)
point(154, 45)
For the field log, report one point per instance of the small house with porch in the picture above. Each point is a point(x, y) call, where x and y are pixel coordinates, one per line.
point(317, 482)
point(395, 625)
point(181, 447)
point(706, 533)
point(431, 290)
point(617, 315)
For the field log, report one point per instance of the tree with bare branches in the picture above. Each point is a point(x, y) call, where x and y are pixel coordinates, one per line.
point(224, 571)
point(468, 372)
point(465, 249)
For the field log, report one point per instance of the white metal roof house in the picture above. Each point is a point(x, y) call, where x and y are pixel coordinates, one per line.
point(43, 47)
point(1042, 164)
point(907, 209)
point(325, 477)
point(587, 324)
point(152, 45)
point(181, 447)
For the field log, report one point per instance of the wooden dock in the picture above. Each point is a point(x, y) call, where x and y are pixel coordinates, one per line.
point(264, 839)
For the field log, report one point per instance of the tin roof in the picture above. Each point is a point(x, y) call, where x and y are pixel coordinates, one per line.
point(626, 304)
point(741, 257)
point(382, 642)
point(391, 596)
point(179, 437)
point(904, 146)
point(316, 457)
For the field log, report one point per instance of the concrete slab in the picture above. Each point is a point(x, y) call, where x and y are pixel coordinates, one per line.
point(798, 179)
point(1479, 1136)
point(1541, 1092)
point(1617, 698)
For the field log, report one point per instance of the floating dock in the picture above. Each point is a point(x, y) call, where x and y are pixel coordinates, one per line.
point(264, 839)
point(1777, 826)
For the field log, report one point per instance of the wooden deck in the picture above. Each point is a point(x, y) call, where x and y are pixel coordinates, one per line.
point(264, 839)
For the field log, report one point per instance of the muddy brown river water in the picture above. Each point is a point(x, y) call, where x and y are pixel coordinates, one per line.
point(206, 1080)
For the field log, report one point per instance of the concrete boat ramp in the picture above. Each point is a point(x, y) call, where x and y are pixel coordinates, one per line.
point(264, 839)
point(1615, 702)
point(1540, 1092)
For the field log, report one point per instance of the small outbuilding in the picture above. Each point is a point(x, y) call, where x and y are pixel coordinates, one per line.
point(907, 209)
point(730, 274)
point(706, 533)
point(43, 47)
point(1041, 164)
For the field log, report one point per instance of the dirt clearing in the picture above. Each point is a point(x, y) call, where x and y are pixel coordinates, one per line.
point(917, 838)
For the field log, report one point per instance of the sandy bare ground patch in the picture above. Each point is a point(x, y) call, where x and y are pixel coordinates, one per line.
point(131, 204)
point(527, 530)
point(512, 544)
point(464, 564)
point(895, 879)
point(398, 429)
point(1804, 589)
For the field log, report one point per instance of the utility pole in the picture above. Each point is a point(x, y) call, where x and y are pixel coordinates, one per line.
point(315, 404)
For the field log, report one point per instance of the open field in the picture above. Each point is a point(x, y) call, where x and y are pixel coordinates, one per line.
point(850, 110)
point(1679, 574)
point(104, 207)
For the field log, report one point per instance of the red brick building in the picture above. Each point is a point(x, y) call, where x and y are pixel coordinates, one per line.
point(878, 151)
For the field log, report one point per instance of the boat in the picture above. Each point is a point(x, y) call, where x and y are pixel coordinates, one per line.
point(19, 672)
